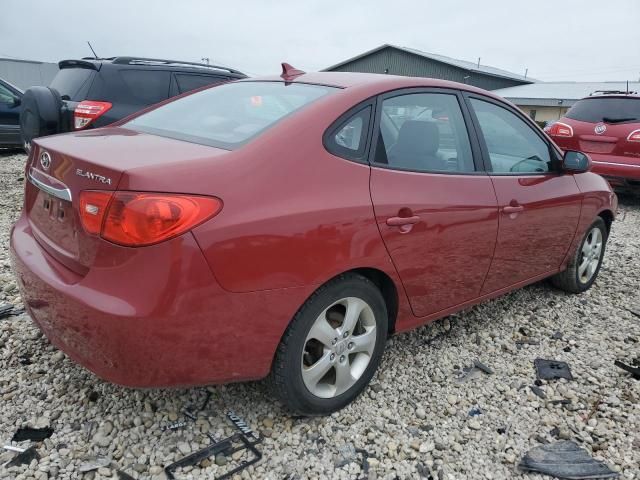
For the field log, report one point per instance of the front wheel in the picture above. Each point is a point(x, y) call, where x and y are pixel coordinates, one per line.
point(585, 264)
point(332, 347)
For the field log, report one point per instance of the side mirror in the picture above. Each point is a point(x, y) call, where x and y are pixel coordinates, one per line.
point(576, 162)
point(17, 101)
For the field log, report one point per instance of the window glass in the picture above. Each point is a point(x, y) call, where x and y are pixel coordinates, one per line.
point(73, 82)
point(6, 96)
point(424, 132)
point(352, 134)
point(606, 109)
point(148, 86)
point(187, 82)
point(514, 147)
point(230, 114)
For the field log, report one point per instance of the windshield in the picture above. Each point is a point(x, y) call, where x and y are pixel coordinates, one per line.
point(229, 115)
point(609, 110)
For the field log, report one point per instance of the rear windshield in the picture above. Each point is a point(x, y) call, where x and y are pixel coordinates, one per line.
point(609, 110)
point(227, 116)
point(73, 82)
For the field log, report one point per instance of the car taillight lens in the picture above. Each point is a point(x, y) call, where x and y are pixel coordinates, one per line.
point(634, 136)
point(559, 129)
point(136, 219)
point(87, 111)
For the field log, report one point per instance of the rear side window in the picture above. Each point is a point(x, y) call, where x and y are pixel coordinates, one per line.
point(147, 86)
point(229, 115)
point(603, 109)
point(187, 82)
point(73, 82)
point(348, 139)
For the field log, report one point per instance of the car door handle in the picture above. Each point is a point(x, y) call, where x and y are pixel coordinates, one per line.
point(401, 221)
point(513, 209)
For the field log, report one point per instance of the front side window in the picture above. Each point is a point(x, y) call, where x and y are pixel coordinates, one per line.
point(513, 146)
point(228, 115)
point(424, 132)
point(6, 96)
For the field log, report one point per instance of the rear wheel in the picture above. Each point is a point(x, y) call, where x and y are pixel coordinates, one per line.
point(332, 347)
point(583, 268)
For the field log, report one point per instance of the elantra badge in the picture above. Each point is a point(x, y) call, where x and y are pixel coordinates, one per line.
point(600, 128)
point(93, 176)
point(45, 161)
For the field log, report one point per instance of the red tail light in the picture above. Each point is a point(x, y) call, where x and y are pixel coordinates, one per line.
point(141, 218)
point(559, 129)
point(634, 136)
point(87, 111)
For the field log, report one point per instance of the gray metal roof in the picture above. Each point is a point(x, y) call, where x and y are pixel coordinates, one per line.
point(559, 93)
point(470, 66)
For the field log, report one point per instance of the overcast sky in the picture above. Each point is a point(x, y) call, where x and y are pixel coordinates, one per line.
point(554, 39)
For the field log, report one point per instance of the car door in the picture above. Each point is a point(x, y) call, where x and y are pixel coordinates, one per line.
point(9, 116)
point(435, 208)
point(539, 205)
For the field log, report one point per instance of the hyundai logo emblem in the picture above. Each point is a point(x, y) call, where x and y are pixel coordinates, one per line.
point(45, 160)
point(600, 128)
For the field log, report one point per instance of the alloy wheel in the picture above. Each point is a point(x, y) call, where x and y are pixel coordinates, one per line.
point(339, 347)
point(590, 255)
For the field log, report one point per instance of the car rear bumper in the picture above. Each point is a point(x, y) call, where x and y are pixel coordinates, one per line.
point(619, 171)
point(157, 319)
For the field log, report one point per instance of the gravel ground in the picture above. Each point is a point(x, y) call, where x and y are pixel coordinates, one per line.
point(414, 421)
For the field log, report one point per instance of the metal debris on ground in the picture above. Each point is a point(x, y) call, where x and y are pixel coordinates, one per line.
point(8, 310)
point(124, 476)
point(242, 426)
point(552, 369)
point(24, 458)
point(475, 411)
point(11, 448)
point(538, 391)
point(469, 373)
point(364, 465)
point(93, 464)
point(33, 434)
point(481, 366)
point(346, 454)
point(228, 446)
point(565, 460)
point(634, 371)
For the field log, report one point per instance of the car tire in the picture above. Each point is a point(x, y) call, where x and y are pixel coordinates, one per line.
point(349, 357)
point(585, 264)
point(40, 114)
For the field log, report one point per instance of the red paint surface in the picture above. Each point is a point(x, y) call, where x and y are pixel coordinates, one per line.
point(212, 304)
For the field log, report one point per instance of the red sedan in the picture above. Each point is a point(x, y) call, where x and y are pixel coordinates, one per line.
point(289, 225)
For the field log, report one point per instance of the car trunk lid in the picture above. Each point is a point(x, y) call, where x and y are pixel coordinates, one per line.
point(61, 167)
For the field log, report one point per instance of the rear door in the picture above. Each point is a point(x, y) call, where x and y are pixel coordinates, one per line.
point(435, 208)
point(539, 206)
point(185, 82)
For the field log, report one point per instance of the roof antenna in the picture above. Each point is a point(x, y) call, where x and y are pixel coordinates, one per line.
point(289, 72)
point(526, 71)
point(478, 62)
point(94, 52)
point(627, 87)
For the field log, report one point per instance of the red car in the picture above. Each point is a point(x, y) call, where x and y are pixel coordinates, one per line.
point(288, 225)
point(607, 127)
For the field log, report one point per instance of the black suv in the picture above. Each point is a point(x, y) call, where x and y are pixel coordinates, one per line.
point(93, 92)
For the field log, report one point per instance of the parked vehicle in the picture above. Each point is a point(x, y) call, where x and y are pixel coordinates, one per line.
point(10, 101)
point(92, 93)
point(607, 126)
point(290, 224)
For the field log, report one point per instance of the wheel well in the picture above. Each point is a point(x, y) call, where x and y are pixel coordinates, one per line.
point(387, 288)
point(607, 216)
